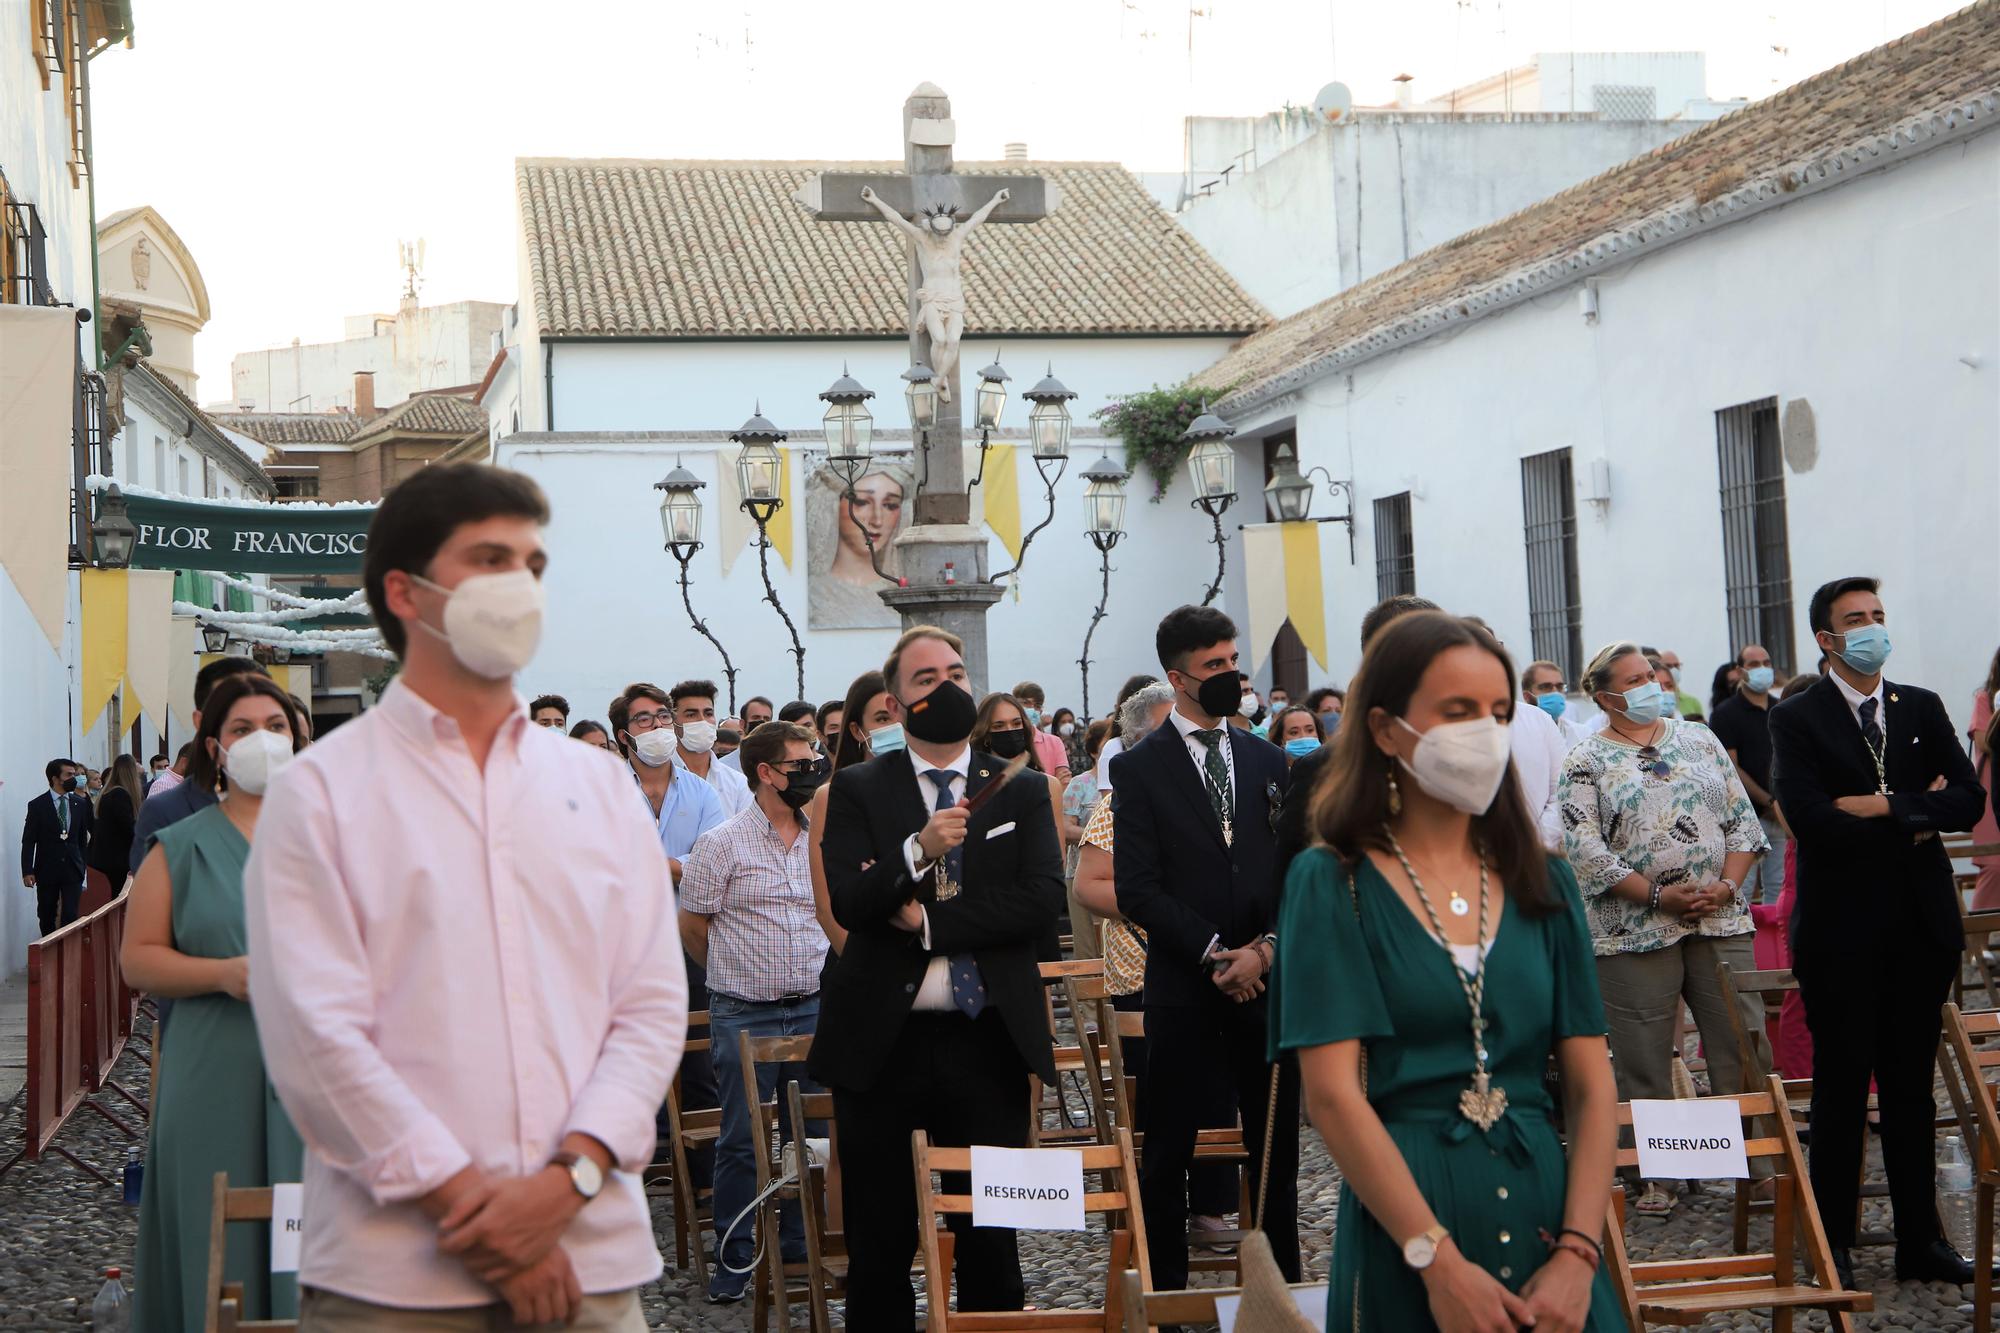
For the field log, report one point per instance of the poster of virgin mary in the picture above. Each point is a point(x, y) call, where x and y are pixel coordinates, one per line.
point(841, 582)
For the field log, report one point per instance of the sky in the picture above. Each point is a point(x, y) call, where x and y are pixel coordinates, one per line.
point(293, 146)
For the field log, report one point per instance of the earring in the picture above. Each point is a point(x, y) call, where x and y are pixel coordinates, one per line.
point(1395, 796)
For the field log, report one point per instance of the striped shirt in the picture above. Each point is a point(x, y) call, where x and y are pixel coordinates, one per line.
point(764, 941)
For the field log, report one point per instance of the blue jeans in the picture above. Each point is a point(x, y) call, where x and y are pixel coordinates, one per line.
point(1769, 871)
point(735, 1150)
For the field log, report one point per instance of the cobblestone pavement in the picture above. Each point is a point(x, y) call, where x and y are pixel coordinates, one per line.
point(59, 1229)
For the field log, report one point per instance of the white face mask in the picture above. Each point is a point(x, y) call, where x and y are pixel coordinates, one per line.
point(252, 760)
point(1248, 707)
point(1460, 763)
point(493, 622)
point(697, 737)
point(654, 747)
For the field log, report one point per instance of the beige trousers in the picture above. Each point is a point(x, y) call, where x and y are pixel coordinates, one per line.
point(328, 1312)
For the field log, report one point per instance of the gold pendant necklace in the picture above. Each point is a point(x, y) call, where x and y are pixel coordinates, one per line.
point(1482, 1103)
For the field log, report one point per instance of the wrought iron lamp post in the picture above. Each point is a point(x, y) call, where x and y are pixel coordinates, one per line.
point(1290, 495)
point(758, 474)
point(849, 428)
point(112, 535)
point(680, 521)
point(1212, 466)
point(1048, 432)
point(1104, 516)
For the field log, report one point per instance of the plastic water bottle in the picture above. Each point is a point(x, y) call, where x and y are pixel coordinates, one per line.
point(111, 1312)
point(1955, 1203)
point(135, 1177)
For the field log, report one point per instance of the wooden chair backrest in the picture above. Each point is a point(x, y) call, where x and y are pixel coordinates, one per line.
point(1117, 1198)
point(222, 1305)
point(751, 1052)
point(1753, 1048)
point(1974, 1042)
point(1090, 1009)
point(1071, 967)
point(823, 1201)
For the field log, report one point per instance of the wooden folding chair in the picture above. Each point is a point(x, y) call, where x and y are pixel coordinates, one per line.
point(691, 1131)
point(1685, 1292)
point(1980, 927)
point(1090, 1009)
point(820, 1204)
point(1069, 1060)
point(1117, 1198)
point(1210, 1145)
point(1972, 1042)
point(222, 1303)
point(1145, 1310)
point(776, 1283)
point(1772, 985)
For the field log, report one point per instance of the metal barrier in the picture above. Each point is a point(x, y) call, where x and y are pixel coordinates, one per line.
point(79, 1023)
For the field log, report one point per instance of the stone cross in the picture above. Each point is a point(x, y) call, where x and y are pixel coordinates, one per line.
point(943, 533)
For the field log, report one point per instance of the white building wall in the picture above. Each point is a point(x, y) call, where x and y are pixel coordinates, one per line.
point(1862, 300)
point(431, 347)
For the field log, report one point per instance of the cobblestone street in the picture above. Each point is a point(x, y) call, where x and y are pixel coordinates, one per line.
point(62, 1229)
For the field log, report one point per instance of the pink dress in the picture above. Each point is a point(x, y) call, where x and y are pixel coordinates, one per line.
point(1986, 891)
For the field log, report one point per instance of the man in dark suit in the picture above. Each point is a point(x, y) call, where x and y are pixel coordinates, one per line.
point(932, 1016)
point(1194, 806)
point(1868, 772)
point(53, 839)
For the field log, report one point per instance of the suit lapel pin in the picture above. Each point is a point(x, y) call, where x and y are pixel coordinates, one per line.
point(985, 773)
point(1895, 698)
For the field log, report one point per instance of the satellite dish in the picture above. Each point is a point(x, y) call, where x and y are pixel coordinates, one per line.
point(1334, 102)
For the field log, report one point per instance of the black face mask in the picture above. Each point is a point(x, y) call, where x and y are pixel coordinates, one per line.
point(943, 716)
point(1007, 744)
point(799, 787)
point(1220, 695)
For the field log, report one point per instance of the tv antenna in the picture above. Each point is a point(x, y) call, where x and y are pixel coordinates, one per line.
point(410, 258)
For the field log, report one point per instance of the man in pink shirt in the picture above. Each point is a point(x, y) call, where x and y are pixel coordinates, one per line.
point(1049, 748)
point(463, 959)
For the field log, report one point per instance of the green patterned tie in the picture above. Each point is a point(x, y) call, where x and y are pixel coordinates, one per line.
point(1217, 769)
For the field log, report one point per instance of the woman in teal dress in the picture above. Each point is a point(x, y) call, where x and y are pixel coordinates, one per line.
point(213, 1109)
point(1432, 900)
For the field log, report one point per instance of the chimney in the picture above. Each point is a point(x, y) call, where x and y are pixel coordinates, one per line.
point(1406, 96)
point(364, 394)
point(1017, 152)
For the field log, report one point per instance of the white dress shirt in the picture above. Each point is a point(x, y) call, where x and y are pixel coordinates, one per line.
point(935, 992)
point(729, 783)
point(1198, 750)
point(1111, 749)
point(1539, 749)
point(1854, 698)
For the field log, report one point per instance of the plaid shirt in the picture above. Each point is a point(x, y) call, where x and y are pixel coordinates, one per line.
point(764, 941)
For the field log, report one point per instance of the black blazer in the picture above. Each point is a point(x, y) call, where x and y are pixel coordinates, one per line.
point(55, 862)
point(1012, 893)
point(111, 835)
point(1864, 881)
point(1175, 876)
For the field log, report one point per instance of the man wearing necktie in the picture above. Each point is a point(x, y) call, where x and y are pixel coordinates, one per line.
point(932, 1016)
point(53, 839)
point(1195, 808)
point(1868, 772)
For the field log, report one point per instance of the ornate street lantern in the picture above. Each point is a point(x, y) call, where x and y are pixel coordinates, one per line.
point(758, 467)
point(1289, 494)
point(113, 534)
point(1212, 461)
point(848, 424)
point(920, 391)
point(1104, 502)
point(680, 510)
point(991, 398)
point(215, 638)
point(1048, 420)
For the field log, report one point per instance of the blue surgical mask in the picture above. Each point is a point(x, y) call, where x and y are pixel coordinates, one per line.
point(1298, 747)
point(1034, 717)
point(1865, 649)
point(886, 740)
point(1553, 703)
point(1760, 679)
point(1647, 703)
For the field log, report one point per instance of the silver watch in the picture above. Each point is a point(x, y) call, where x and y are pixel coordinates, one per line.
point(585, 1177)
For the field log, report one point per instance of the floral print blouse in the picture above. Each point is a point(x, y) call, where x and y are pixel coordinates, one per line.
point(1619, 817)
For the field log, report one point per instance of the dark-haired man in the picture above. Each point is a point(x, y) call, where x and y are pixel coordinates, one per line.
point(467, 976)
point(173, 803)
point(757, 710)
point(932, 1016)
point(1196, 868)
point(694, 726)
point(550, 710)
point(54, 837)
point(1868, 772)
point(747, 916)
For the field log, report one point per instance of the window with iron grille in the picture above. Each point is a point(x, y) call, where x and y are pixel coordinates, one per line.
point(1395, 549)
point(1624, 101)
point(1756, 553)
point(1555, 603)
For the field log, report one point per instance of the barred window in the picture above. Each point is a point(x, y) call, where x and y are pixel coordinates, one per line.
point(1624, 101)
point(1756, 554)
point(1395, 550)
point(1555, 603)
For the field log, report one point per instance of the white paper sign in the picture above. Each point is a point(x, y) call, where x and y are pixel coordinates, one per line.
point(288, 1211)
point(1029, 1189)
point(1690, 1140)
point(1311, 1302)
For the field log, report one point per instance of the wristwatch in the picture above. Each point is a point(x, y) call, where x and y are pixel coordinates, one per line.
point(1734, 887)
point(585, 1177)
point(1420, 1252)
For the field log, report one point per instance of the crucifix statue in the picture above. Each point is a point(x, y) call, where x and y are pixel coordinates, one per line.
point(943, 555)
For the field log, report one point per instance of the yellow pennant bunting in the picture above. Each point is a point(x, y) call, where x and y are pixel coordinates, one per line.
point(105, 626)
point(1002, 485)
point(1305, 600)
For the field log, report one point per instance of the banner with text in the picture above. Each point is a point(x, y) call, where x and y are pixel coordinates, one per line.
point(244, 539)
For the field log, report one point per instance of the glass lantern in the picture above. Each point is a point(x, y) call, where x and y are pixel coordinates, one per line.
point(113, 534)
point(991, 400)
point(920, 391)
point(1048, 420)
point(1104, 497)
point(680, 509)
point(1289, 494)
point(848, 424)
point(1212, 466)
point(758, 467)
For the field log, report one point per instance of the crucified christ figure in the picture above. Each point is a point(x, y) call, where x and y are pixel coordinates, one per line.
point(941, 298)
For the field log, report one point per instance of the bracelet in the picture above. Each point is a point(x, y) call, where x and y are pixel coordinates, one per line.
point(1592, 1256)
point(1653, 903)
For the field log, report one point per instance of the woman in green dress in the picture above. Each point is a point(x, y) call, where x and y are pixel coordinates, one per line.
point(1431, 958)
point(213, 1110)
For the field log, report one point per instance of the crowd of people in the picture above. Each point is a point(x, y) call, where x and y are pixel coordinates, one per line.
point(439, 965)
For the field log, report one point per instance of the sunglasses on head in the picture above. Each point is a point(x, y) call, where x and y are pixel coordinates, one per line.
point(1651, 762)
